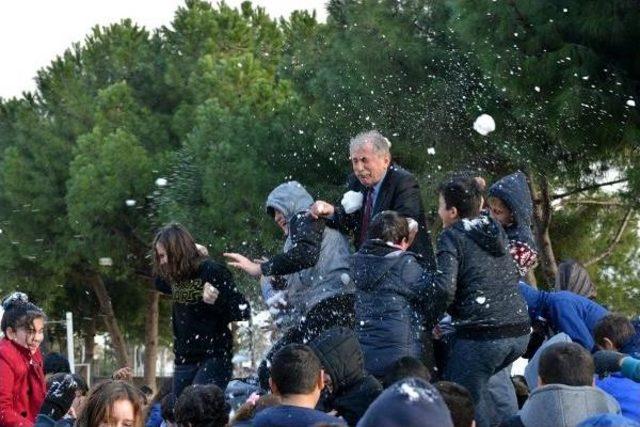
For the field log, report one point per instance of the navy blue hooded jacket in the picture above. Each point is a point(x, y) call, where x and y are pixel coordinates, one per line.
point(394, 295)
point(514, 192)
point(565, 312)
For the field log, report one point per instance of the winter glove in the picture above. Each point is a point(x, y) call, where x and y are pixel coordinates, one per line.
point(59, 398)
point(607, 361)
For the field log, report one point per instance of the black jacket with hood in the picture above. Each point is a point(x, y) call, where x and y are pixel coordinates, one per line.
point(353, 388)
point(481, 280)
point(395, 299)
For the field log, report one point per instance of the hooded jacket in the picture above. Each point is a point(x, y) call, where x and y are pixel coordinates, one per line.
point(514, 191)
point(22, 385)
point(394, 299)
point(565, 312)
point(480, 280)
point(573, 277)
point(353, 389)
point(315, 260)
point(561, 405)
point(408, 403)
point(608, 420)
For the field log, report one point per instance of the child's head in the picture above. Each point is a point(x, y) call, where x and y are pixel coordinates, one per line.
point(613, 331)
point(500, 211)
point(389, 226)
point(175, 253)
point(22, 321)
point(566, 363)
point(111, 403)
point(296, 370)
point(459, 198)
point(55, 363)
point(202, 405)
point(406, 367)
point(459, 402)
point(166, 408)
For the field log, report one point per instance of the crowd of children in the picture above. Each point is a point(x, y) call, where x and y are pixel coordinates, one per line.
point(375, 338)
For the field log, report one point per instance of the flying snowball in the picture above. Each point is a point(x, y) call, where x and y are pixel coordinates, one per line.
point(631, 103)
point(352, 201)
point(161, 182)
point(484, 124)
point(130, 202)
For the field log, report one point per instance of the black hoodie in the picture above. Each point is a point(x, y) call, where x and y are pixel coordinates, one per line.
point(481, 280)
point(353, 389)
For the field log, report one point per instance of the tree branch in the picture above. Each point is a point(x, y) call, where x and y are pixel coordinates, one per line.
point(614, 242)
point(593, 202)
point(588, 187)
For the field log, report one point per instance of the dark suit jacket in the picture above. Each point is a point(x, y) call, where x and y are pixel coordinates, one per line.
point(399, 192)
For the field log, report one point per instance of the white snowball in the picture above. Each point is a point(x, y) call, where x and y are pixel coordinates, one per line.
point(484, 124)
point(161, 182)
point(631, 103)
point(352, 201)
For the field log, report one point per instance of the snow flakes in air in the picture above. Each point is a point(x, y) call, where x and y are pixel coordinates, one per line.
point(537, 88)
point(481, 300)
point(352, 201)
point(161, 182)
point(484, 124)
point(242, 306)
point(631, 103)
point(300, 131)
point(130, 202)
point(431, 151)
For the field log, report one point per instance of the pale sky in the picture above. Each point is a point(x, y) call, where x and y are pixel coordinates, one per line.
point(33, 32)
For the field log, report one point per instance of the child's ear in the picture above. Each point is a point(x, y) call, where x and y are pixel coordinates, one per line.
point(11, 333)
point(608, 345)
point(454, 212)
point(273, 386)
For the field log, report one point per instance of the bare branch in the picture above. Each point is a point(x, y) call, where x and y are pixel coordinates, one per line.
point(614, 242)
point(587, 188)
point(601, 202)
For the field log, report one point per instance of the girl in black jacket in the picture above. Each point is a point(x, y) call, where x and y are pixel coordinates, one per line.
point(205, 300)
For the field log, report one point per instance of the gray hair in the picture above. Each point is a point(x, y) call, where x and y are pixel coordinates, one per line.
point(381, 145)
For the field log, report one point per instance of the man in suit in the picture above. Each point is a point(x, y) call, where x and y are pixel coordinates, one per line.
point(384, 186)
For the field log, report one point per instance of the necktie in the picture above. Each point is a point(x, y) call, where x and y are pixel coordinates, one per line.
point(366, 215)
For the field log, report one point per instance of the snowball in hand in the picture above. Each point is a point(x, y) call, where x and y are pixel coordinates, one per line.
point(484, 124)
point(352, 201)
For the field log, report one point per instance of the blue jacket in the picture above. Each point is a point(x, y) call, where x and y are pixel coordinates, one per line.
point(565, 312)
point(513, 190)
point(154, 419)
point(393, 296)
point(625, 391)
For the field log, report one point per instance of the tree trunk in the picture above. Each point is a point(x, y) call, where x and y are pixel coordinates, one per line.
point(89, 341)
point(111, 323)
point(542, 220)
point(151, 340)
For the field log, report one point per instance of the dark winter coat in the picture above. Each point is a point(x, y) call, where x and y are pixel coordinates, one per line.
point(481, 281)
point(22, 385)
point(565, 312)
point(200, 330)
point(398, 192)
point(394, 302)
point(514, 191)
point(315, 260)
point(353, 389)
